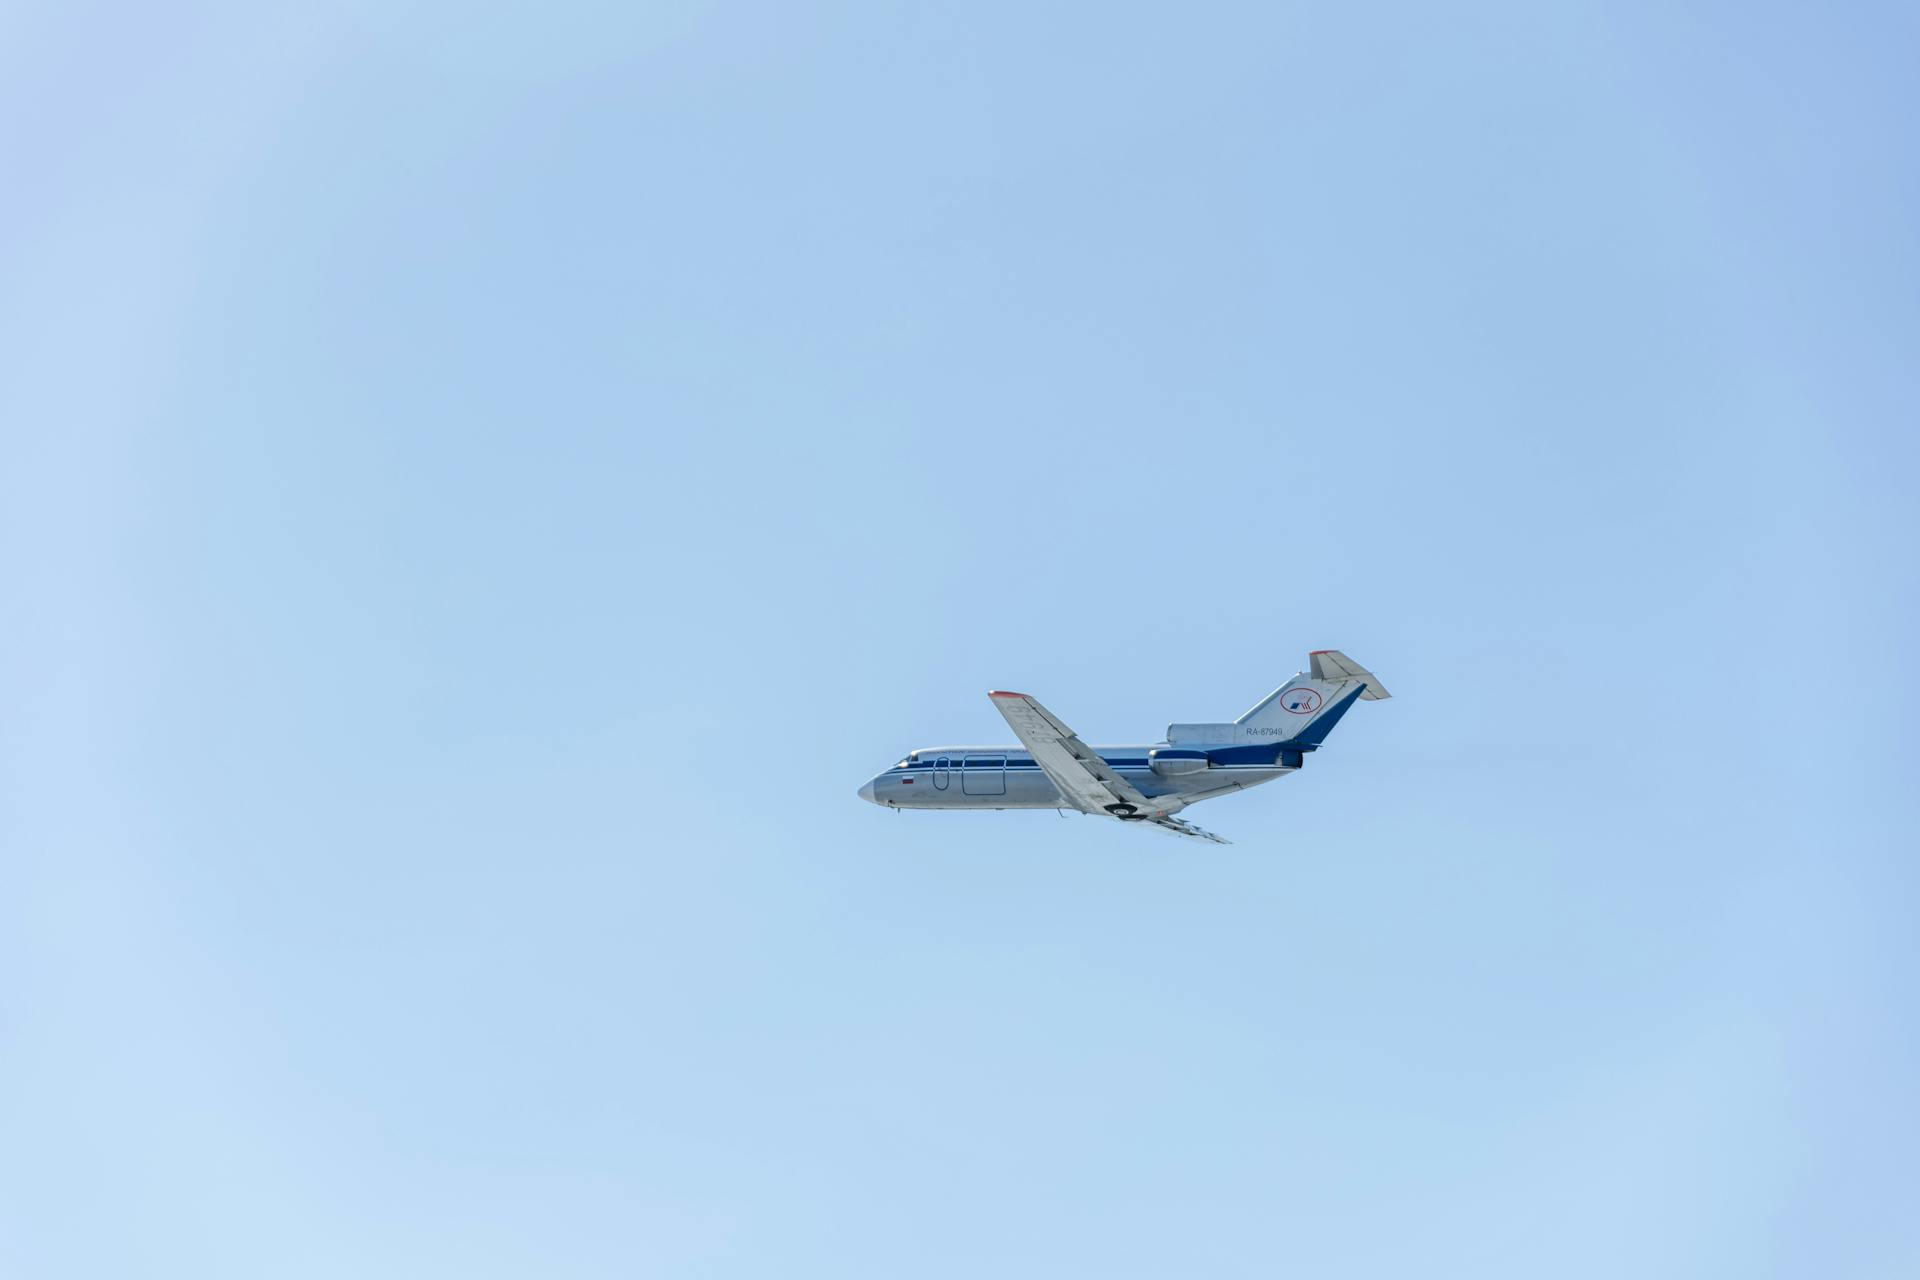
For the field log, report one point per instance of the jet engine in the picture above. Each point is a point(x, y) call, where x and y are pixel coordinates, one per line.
point(1170, 762)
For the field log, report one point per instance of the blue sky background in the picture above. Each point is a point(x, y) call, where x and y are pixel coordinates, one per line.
point(483, 487)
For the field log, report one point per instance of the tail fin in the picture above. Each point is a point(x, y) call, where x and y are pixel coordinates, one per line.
point(1306, 708)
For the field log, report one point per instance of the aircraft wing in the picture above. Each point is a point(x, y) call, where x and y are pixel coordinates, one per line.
point(1180, 828)
point(1087, 782)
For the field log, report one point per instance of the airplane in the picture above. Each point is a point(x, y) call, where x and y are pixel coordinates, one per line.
point(1053, 769)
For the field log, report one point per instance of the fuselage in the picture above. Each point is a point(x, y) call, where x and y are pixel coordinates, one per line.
point(1007, 777)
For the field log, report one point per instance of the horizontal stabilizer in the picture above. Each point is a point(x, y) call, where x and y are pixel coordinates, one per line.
point(1332, 666)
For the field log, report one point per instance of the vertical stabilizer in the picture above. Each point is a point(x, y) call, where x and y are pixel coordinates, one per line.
point(1306, 708)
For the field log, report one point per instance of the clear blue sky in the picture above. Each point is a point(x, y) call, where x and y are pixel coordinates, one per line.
point(483, 486)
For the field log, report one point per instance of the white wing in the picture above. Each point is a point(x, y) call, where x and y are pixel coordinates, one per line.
point(1087, 782)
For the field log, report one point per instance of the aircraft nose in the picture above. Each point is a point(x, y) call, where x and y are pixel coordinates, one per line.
point(866, 793)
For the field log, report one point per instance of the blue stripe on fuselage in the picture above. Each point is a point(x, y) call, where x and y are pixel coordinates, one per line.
point(1253, 757)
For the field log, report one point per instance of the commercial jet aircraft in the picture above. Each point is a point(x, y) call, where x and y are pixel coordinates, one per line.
point(1053, 769)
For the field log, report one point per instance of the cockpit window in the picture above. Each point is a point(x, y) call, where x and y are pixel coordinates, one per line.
point(904, 763)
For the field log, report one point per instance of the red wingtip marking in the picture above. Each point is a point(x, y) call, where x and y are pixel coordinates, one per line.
point(1002, 693)
point(1323, 651)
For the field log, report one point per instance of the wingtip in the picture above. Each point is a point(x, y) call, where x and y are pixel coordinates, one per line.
point(1004, 693)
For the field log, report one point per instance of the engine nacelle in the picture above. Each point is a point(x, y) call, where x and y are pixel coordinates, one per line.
point(1213, 735)
point(1171, 762)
